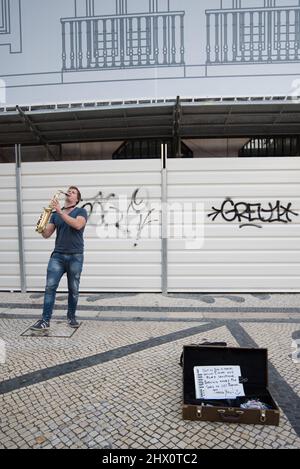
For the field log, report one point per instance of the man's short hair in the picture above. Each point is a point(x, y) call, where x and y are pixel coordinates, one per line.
point(78, 193)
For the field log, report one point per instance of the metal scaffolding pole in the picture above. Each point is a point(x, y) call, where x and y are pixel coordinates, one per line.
point(20, 218)
point(164, 220)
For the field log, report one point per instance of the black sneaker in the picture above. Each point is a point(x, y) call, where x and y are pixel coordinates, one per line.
point(40, 325)
point(73, 323)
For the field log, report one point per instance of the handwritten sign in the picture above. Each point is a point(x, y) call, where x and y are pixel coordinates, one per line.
point(218, 382)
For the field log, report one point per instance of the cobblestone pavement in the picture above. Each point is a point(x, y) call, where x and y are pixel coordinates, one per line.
point(116, 382)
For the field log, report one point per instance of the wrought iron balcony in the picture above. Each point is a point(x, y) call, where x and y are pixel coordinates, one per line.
point(123, 41)
point(253, 35)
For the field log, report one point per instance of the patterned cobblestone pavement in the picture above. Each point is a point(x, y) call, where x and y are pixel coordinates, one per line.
point(118, 384)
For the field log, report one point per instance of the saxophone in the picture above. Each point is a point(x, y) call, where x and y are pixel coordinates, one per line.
point(46, 213)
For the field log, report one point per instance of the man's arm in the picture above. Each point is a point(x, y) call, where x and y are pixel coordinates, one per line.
point(76, 223)
point(48, 231)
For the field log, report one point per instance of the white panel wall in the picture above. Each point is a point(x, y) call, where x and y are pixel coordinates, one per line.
point(234, 258)
point(9, 250)
point(231, 259)
point(110, 264)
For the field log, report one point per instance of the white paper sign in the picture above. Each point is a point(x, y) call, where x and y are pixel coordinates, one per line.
point(218, 382)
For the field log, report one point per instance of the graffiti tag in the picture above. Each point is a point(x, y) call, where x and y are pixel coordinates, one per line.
point(247, 213)
point(111, 213)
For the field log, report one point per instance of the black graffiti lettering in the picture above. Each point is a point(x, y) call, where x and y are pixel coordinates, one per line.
point(88, 207)
point(140, 209)
point(249, 213)
point(288, 212)
point(223, 212)
point(135, 203)
point(246, 212)
point(279, 213)
point(250, 224)
point(264, 211)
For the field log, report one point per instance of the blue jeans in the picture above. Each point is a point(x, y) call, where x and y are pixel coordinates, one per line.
point(57, 266)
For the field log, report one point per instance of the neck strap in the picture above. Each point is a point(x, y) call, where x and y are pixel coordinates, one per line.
point(71, 206)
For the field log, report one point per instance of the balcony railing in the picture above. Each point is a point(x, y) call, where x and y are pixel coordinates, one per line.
point(253, 35)
point(123, 41)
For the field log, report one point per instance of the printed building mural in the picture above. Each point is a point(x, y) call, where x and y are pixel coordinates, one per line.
point(152, 48)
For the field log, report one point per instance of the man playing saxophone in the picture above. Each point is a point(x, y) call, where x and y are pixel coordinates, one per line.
point(69, 223)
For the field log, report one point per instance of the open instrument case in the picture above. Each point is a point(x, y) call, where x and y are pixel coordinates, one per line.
point(254, 370)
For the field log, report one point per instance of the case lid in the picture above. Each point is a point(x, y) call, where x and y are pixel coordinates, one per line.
point(253, 363)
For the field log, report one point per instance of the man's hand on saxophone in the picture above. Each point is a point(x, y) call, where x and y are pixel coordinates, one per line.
point(56, 206)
